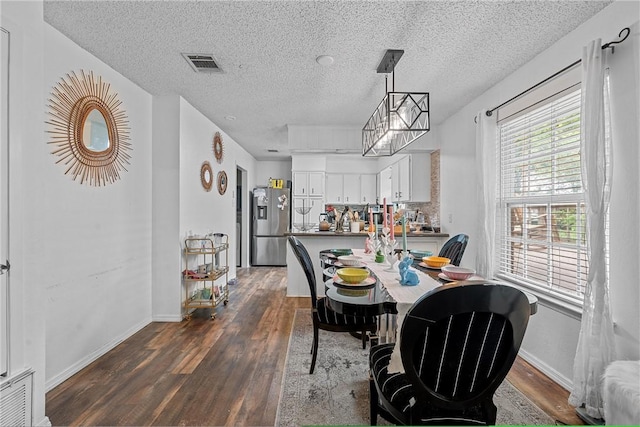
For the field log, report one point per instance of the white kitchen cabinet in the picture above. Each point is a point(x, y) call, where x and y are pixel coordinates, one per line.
point(407, 180)
point(401, 180)
point(351, 188)
point(385, 187)
point(368, 188)
point(308, 184)
point(343, 188)
point(333, 190)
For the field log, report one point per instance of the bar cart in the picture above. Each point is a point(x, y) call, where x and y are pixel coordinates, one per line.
point(205, 278)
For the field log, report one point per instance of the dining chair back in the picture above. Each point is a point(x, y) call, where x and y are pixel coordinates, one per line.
point(323, 317)
point(458, 342)
point(454, 248)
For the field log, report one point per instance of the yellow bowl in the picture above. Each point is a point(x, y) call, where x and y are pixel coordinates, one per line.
point(436, 261)
point(352, 275)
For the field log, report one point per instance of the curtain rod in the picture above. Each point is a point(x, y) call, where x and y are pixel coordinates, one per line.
point(605, 46)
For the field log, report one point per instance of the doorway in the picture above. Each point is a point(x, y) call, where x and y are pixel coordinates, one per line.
point(241, 216)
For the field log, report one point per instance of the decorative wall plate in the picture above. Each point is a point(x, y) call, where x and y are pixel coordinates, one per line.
point(222, 182)
point(89, 129)
point(206, 176)
point(218, 148)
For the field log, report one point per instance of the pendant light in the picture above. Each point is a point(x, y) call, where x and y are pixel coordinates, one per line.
point(399, 119)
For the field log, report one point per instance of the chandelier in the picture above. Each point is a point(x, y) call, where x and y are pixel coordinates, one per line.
point(399, 119)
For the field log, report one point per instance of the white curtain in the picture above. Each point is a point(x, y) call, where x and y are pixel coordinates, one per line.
point(596, 346)
point(486, 170)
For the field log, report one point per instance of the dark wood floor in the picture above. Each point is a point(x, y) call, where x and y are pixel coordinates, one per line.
point(222, 372)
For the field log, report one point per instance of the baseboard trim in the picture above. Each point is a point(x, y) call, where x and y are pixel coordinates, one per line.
point(45, 422)
point(167, 318)
point(556, 376)
point(85, 361)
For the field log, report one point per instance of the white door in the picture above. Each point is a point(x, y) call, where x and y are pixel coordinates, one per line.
point(4, 202)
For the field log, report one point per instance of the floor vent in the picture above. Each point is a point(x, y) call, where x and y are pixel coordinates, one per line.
point(15, 400)
point(202, 63)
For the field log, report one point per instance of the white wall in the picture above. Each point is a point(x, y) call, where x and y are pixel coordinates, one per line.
point(277, 169)
point(202, 211)
point(82, 260)
point(166, 246)
point(95, 241)
point(552, 334)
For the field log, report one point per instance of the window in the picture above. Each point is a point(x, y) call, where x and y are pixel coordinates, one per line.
point(542, 218)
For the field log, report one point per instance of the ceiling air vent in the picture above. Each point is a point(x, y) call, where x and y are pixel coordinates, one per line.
point(202, 63)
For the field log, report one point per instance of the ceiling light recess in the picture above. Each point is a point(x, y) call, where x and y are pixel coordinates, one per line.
point(324, 60)
point(202, 62)
point(399, 119)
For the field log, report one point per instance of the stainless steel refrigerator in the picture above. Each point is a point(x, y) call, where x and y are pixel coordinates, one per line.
point(270, 220)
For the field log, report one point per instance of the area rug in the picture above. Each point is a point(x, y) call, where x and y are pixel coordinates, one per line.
point(338, 391)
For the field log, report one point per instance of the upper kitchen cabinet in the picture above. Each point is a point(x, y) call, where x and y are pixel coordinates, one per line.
point(309, 184)
point(368, 188)
point(350, 188)
point(384, 184)
point(407, 180)
point(342, 188)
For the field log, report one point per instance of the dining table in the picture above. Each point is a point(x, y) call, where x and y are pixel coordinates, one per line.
point(386, 297)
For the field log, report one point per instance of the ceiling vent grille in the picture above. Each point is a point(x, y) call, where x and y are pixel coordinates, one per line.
point(202, 63)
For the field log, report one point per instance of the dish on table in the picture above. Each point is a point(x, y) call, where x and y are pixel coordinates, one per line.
point(369, 282)
point(335, 253)
point(455, 272)
point(423, 265)
point(352, 275)
point(350, 260)
point(417, 254)
point(360, 264)
point(436, 261)
point(448, 279)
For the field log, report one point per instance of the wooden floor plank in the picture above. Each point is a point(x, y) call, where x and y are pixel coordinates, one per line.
point(222, 372)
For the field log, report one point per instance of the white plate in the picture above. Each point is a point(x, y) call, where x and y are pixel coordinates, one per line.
point(341, 283)
point(448, 279)
point(422, 264)
point(341, 264)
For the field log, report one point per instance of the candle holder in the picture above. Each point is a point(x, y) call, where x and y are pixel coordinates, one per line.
point(390, 254)
point(372, 245)
point(384, 236)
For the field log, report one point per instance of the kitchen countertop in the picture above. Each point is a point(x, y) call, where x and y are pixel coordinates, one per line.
point(316, 233)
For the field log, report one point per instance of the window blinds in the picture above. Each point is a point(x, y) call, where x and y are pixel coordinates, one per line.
point(542, 219)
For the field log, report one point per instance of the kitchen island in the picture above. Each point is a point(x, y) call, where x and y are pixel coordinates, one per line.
point(316, 241)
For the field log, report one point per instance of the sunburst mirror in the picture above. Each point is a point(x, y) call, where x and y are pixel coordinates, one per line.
point(222, 182)
point(90, 130)
point(218, 148)
point(206, 176)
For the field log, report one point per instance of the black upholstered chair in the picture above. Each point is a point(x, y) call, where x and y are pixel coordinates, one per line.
point(454, 248)
point(458, 343)
point(323, 317)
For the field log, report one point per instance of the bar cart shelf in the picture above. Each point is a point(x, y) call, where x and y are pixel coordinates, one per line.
point(205, 278)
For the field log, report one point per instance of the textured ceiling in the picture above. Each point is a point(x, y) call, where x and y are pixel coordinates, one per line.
point(267, 49)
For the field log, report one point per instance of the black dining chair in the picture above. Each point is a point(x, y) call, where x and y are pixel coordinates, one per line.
point(323, 317)
point(458, 343)
point(454, 248)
